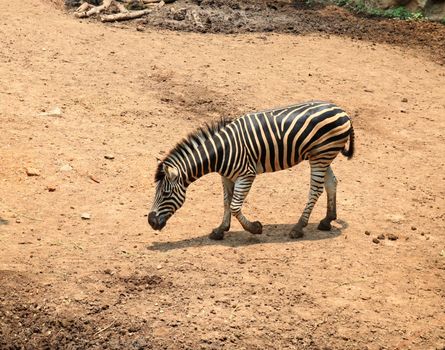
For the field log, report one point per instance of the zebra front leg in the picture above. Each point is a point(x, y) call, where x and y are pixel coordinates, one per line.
point(317, 181)
point(242, 188)
point(330, 183)
point(218, 233)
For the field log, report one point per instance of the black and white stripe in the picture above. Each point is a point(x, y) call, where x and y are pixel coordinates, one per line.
point(255, 143)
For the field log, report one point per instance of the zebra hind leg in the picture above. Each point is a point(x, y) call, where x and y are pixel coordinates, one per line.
point(330, 184)
point(218, 233)
point(242, 188)
point(318, 172)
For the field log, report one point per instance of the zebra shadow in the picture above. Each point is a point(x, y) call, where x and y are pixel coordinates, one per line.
point(271, 234)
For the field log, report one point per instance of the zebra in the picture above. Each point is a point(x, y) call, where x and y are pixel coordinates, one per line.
point(242, 148)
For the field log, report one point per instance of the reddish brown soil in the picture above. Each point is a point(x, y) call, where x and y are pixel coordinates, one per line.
point(111, 282)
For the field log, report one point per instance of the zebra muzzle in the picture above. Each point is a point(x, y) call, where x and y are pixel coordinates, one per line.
point(156, 222)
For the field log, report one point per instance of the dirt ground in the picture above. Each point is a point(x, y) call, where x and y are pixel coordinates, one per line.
point(111, 282)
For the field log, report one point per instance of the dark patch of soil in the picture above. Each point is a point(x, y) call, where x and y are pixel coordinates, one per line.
point(29, 321)
point(297, 17)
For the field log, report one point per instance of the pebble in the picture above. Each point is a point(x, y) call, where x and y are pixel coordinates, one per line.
point(32, 172)
point(404, 99)
point(375, 240)
point(159, 267)
point(413, 228)
point(51, 188)
point(85, 216)
point(367, 232)
point(66, 167)
point(55, 112)
point(392, 237)
point(109, 156)
point(18, 220)
point(381, 236)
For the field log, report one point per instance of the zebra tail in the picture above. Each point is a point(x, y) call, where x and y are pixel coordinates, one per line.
point(350, 152)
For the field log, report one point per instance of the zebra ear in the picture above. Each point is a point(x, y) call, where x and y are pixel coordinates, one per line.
point(171, 172)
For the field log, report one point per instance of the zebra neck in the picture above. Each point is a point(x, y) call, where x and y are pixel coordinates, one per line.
point(199, 162)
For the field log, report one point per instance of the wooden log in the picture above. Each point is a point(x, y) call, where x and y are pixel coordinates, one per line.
point(98, 9)
point(84, 7)
point(121, 7)
point(124, 16)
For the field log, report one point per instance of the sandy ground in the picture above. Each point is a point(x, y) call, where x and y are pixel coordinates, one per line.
point(112, 282)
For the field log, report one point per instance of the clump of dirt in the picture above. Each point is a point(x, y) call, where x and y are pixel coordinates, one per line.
point(28, 320)
point(297, 17)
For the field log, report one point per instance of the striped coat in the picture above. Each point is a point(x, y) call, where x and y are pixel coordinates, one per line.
point(256, 143)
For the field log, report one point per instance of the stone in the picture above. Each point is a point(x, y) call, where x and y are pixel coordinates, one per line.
point(32, 172)
point(392, 237)
point(66, 167)
point(375, 240)
point(55, 112)
point(51, 188)
point(109, 156)
point(381, 236)
point(85, 216)
point(367, 232)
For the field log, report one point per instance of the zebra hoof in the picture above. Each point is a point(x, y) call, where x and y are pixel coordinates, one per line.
point(296, 233)
point(324, 225)
point(256, 228)
point(217, 235)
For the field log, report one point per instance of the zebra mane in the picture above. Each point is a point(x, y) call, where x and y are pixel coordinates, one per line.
point(191, 142)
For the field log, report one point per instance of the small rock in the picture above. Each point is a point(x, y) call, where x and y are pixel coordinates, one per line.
point(85, 216)
point(51, 188)
point(109, 156)
point(108, 272)
point(18, 220)
point(140, 28)
point(381, 236)
point(133, 329)
point(66, 167)
point(55, 112)
point(367, 232)
point(404, 99)
point(375, 240)
point(32, 172)
point(413, 228)
point(392, 237)
point(159, 267)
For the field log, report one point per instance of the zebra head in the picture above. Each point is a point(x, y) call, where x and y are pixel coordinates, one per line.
point(169, 197)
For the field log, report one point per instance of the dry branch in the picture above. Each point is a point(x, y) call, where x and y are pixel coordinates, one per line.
point(84, 7)
point(87, 10)
point(123, 16)
point(121, 7)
